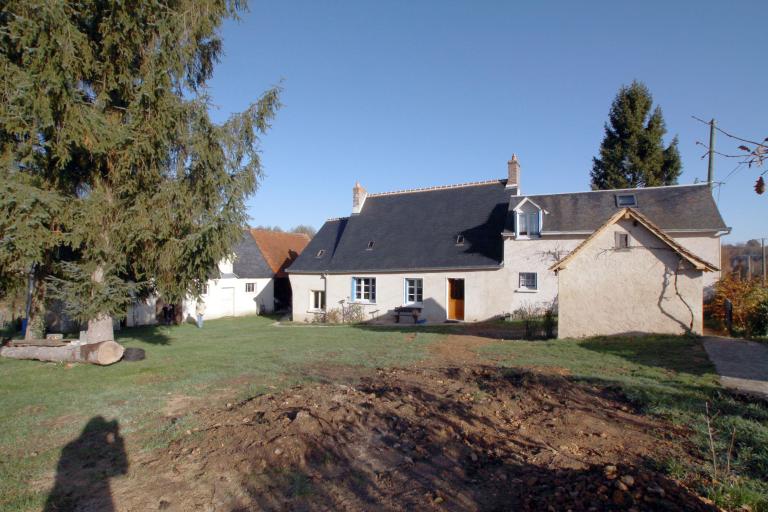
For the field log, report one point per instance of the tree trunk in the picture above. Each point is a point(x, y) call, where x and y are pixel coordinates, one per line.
point(104, 353)
point(37, 307)
point(100, 329)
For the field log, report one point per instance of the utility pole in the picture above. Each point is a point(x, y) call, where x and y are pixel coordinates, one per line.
point(711, 167)
point(762, 242)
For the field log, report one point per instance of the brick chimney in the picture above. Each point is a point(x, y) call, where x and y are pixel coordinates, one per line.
point(358, 198)
point(513, 174)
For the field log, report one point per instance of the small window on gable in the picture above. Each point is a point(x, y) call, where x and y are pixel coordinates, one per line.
point(370, 246)
point(459, 239)
point(622, 241)
point(625, 200)
point(320, 253)
point(250, 287)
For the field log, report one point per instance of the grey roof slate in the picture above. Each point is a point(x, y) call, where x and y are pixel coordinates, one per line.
point(417, 230)
point(680, 207)
point(249, 262)
point(414, 230)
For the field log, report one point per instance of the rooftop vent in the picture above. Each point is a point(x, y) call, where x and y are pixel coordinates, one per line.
point(320, 253)
point(459, 239)
point(370, 246)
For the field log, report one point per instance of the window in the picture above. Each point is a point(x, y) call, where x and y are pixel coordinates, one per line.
point(622, 241)
point(318, 299)
point(625, 200)
point(364, 289)
point(528, 224)
point(414, 291)
point(370, 246)
point(528, 281)
point(320, 253)
point(459, 239)
point(250, 287)
point(205, 289)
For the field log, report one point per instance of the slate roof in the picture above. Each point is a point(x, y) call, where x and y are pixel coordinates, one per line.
point(265, 254)
point(249, 263)
point(677, 207)
point(416, 230)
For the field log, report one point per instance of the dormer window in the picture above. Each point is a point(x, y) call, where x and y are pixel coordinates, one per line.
point(528, 224)
point(459, 239)
point(320, 253)
point(370, 246)
point(626, 200)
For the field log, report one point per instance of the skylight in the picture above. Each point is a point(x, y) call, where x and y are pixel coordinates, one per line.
point(625, 200)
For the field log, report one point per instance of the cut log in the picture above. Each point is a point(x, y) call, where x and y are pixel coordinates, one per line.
point(103, 353)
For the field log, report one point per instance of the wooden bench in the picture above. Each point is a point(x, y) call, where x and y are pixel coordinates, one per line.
point(413, 311)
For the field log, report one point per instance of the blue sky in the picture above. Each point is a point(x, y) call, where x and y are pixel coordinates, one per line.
point(403, 94)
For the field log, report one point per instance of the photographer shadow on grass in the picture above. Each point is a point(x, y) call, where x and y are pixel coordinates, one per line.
point(85, 468)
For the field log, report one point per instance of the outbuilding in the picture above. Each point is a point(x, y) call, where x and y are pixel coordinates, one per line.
point(630, 277)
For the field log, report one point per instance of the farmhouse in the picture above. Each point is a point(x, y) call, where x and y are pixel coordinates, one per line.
point(252, 281)
point(480, 250)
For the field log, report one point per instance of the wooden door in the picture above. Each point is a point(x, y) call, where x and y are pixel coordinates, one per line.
point(456, 299)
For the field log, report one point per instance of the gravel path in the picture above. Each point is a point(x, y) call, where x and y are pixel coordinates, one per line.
point(742, 365)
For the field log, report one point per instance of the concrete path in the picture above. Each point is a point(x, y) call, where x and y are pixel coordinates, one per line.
point(742, 365)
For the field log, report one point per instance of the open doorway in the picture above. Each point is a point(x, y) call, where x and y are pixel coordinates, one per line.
point(455, 299)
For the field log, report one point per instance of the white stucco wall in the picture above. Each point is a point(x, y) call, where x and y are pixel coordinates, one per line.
point(706, 247)
point(488, 293)
point(227, 297)
point(142, 313)
point(606, 291)
point(485, 294)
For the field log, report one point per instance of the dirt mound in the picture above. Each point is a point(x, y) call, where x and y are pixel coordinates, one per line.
point(419, 439)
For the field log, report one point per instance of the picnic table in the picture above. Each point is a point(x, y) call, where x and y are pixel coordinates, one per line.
point(413, 311)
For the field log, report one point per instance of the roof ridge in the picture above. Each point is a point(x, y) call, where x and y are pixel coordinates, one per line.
point(334, 219)
point(287, 233)
point(436, 187)
point(703, 183)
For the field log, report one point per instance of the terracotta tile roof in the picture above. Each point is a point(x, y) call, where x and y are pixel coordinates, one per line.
point(279, 249)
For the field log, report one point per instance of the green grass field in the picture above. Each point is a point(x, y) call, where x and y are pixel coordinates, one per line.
point(45, 405)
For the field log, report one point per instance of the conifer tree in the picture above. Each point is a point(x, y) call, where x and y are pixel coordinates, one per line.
point(632, 153)
point(115, 181)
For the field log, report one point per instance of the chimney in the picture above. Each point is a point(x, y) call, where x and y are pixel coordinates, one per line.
point(358, 198)
point(513, 174)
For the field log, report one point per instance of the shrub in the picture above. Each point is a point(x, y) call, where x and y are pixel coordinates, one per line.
point(746, 296)
point(757, 322)
point(539, 321)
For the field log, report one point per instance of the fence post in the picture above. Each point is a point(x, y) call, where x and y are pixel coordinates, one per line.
point(729, 316)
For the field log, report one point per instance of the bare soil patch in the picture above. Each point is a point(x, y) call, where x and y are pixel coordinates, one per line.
point(456, 438)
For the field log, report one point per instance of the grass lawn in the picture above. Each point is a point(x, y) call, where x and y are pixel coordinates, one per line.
point(45, 405)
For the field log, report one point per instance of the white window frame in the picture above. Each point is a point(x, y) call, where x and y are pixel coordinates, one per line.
point(526, 219)
point(418, 291)
point(364, 290)
point(313, 300)
point(524, 287)
point(252, 287)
